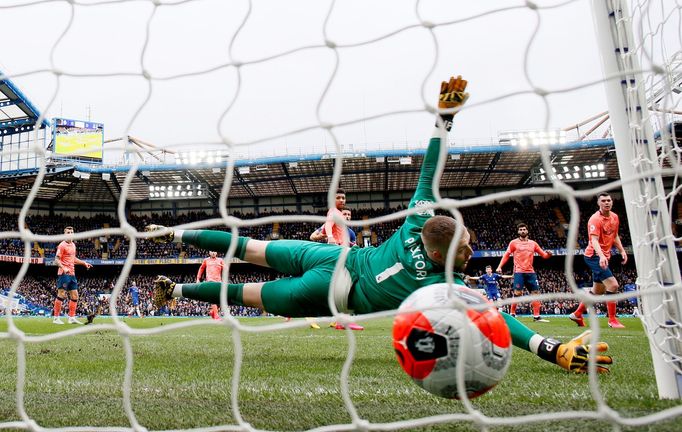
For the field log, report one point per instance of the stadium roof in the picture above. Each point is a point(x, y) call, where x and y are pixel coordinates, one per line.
point(16, 111)
point(467, 168)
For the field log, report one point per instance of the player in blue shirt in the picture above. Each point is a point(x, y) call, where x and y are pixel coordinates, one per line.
point(134, 293)
point(490, 281)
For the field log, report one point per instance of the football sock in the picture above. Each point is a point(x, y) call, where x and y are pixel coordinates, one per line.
point(57, 306)
point(536, 308)
point(581, 310)
point(611, 307)
point(218, 241)
point(210, 292)
point(513, 309)
point(72, 307)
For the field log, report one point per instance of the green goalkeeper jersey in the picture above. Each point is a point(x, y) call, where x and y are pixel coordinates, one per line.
point(387, 274)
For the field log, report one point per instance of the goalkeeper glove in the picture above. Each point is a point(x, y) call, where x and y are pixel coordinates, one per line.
point(165, 238)
point(163, 291)
point(573, 355)
point(452, 95)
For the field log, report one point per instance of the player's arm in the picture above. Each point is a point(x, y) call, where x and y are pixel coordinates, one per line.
point(81, 262)
point(621, 249)
point(505, 258)
point(543, 253)
point(572, 355)
point(603, 261)
point(352, 238)
point(318, 234)
point(222, 267)
point(201, 271)
point(473, 278)
point(58, 260)
point(329, 227)
point(451, 96)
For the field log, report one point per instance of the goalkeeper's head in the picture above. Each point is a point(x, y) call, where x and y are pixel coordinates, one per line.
point(437, 234)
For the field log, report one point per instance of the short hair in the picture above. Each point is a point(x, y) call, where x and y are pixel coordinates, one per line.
point(340, 191)
point(438, 232)
point(489, 267)
point(344, 208)
point(521, 225)
point(602, 194)
point(68, 227)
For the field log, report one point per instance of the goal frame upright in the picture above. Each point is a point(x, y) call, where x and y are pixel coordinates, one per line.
point(653, 244)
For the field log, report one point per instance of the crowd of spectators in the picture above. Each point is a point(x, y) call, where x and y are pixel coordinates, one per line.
point(95, 291)
point(547, 222)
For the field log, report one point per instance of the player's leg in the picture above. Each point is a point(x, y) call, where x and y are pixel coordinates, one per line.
point(301, 296)
point(73, 301)
point(531, 282)
point(598, 288)
point(517, 289)
point(295, 297)
point(493, 296)
point(136, 307)
point(213, 312)
point(611, 286)
point(58, 302)
point(247, 249)
point(289, 256)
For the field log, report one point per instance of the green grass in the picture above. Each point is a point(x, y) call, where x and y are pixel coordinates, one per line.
point(290, 379)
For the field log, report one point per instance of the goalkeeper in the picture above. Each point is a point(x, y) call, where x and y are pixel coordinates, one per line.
point(373, 279)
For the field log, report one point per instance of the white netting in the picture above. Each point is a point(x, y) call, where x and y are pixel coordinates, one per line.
point(444, 45)
point(640, 102)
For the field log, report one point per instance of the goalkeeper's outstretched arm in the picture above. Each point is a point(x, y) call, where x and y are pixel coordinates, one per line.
point(572, 355)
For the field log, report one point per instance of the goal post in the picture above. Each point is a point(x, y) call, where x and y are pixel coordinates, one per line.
point(649, 220)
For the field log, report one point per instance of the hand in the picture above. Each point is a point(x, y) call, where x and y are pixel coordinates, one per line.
point(549, 253)
point(624, 257)
point(603, 262)
point(451, 96)
point(573, 355)
point(498, 270)
point(163, 238)
point(452, 93)
point(88, 265)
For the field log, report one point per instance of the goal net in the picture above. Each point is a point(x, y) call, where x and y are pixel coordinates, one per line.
point(256, 79)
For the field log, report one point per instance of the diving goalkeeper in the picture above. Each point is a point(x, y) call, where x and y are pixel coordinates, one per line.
point(373, 279)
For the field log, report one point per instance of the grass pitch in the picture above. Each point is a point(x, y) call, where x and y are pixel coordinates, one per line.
point(291, 379)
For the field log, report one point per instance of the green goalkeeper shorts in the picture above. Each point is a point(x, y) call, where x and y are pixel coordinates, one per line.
point(311, 266)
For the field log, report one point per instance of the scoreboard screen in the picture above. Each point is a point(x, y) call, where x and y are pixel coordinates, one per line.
point(78, 140)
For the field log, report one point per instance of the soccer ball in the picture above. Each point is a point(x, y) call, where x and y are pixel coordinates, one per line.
point(429, 330)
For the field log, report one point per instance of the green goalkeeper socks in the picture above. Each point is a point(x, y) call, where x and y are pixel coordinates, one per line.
point(217, 241)
point(210, 292)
